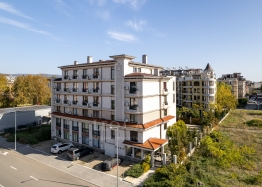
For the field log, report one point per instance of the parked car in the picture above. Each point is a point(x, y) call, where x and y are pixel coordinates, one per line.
point(76, 153)
point(59, 147)
point(108, 165)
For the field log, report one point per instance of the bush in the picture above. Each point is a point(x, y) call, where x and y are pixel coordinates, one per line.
point(145, 166)
point(254, 123)
point(135, 171)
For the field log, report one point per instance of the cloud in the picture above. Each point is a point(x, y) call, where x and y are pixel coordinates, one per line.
point(121, 36)
point(137, 26)
point(99, 2)
point(103, 14)
point(62, 7)
point(23, 26)
point(135, 4)
point(12, 10)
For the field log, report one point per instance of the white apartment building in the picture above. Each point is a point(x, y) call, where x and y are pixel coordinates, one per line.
point(94, 99)
point(194, 86)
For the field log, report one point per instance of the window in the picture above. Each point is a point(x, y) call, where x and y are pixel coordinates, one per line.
point(75, 87)
point(155, 72)
point(58, 133)
point(85, 140)
point(164, 85)
point(132, 118)
point(85, 127)
point(75, 137)
point(165, 126)
point(96, 142)
point(85, 112)
point(173, 86)
point(133, 88)
point(112, 117)
point(75, 111)
point(112, 89)
point(112, 73)
point(112, 104)
point(112, 134)
point(85, 100)
point(96, 130)
point(95, 103)
point(66, 74)
point(95, 73)
point(95, 113)
point(65, 87)
point(134, 69)
point(133, 136)
point(139, 69)
point(95, 87)
point(58, 109)
point(66, 135)
point(174, 98)
point(75, 99)
point(75, 74)
point(165, 112)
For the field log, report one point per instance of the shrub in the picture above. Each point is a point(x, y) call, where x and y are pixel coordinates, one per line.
point(135, 171)
point(145, 166)
point(254, 122)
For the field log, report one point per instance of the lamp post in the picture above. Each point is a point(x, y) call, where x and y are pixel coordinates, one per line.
point(116, 153)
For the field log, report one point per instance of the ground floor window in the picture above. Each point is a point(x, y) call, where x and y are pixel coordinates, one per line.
point(75, 137)
point(58, 132)
point(96, 142)
point(128, 151)
point(66, 135)
point(137, 153)
point(85, 140)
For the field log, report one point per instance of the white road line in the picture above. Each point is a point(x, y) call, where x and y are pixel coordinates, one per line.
point(13, 167)
point(34, 178)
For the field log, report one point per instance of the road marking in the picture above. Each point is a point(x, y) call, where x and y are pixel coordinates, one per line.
point(4, 153)
point(13, 167)
point(34, 178)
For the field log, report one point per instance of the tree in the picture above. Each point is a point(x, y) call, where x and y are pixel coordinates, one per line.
point(4, 91)
point(225, 100)
point(31, 89)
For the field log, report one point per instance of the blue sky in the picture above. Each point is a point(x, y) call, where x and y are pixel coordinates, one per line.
point(39, 36)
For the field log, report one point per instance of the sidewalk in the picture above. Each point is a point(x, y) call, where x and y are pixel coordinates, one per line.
point(81, 172)
point(140, 180)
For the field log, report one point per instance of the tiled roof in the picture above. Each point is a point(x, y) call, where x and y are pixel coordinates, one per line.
point(127, 124)
point(208, 68)
point(151, 143)
point(138, 74)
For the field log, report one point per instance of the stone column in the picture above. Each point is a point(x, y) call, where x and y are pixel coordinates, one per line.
point(152, 159)
point(162, 150)
point(174, 159)
point(164, 158)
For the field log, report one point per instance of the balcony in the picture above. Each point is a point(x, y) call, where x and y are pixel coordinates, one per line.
point(57, 100)
point(85, 103)
point(133, 107)
point(165, 90)
point(133, 90)
point(97, 133)
point(84, 89)
point(84, 130)
point(75, 89)
point(75, 128)
point(66, 126)
point(95, 76)
point(66, 77)
point(58, 124)
point(66, 101)
point(95, 103)
point(58, 89)
point(96, 90)
point(113, 107)
point(66, 89)
point(84, 76)
point(75, 102)
point(165, 103)
point(75, 76)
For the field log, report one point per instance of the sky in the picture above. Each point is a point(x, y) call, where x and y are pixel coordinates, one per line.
point(38, 36)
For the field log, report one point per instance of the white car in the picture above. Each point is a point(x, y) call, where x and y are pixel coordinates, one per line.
point(59, 147)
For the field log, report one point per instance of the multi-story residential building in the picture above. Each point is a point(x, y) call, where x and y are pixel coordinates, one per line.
point(92, 99)
point(194, 86)
point(237, 82)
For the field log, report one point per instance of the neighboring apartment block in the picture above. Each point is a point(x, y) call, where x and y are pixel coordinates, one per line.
point(92, 99)
point(237, 82)
point(194, 86)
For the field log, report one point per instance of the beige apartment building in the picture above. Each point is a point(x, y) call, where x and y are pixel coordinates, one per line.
point(239, 87)
point(93, 99)
point(194, 86)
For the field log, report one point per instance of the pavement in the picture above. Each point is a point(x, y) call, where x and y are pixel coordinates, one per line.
point(81, 172)
point(17, 170)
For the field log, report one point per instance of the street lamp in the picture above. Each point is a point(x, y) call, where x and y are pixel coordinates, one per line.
point(116, 152)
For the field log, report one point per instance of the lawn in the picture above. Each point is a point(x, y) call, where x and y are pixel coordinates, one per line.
point(32, 135)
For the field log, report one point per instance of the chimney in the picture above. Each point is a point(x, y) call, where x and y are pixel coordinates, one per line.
point(75, 62)
point(144, 59)
point(89, 59)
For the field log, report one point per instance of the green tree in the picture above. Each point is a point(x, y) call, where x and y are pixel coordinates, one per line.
point(225, 100)
point(4, 91)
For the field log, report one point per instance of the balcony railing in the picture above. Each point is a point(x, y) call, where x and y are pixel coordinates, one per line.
point(96, 90)
point(84, 103)
point(133, 90)
point(75, 89)
point(74, 128)
point(113, 107)
point(58, 89)
point(84, 76)
point(66, 126)
point(58, 101)
point(165, 89)
point(84, 130)
point(95, 76)
point(96, 133)
point(58, 124)
point(66, 89)
point(66, 101)
point(75, 76)
point(75, 102)
point(95, 103)
point(66, 77)
point(133, 107)
point(84, 89)
point(166, 103)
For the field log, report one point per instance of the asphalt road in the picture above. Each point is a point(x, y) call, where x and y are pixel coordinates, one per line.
point(17, 170)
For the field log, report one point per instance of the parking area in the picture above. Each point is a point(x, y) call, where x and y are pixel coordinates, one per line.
point(93, 160)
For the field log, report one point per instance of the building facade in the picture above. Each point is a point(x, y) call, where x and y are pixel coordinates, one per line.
point(100, 103)
point(194, 86)
point(239, 86)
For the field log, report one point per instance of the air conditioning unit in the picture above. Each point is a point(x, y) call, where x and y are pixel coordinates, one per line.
point(126, 104)
point(89, 115)
point(126, 87)
point(126, 120)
